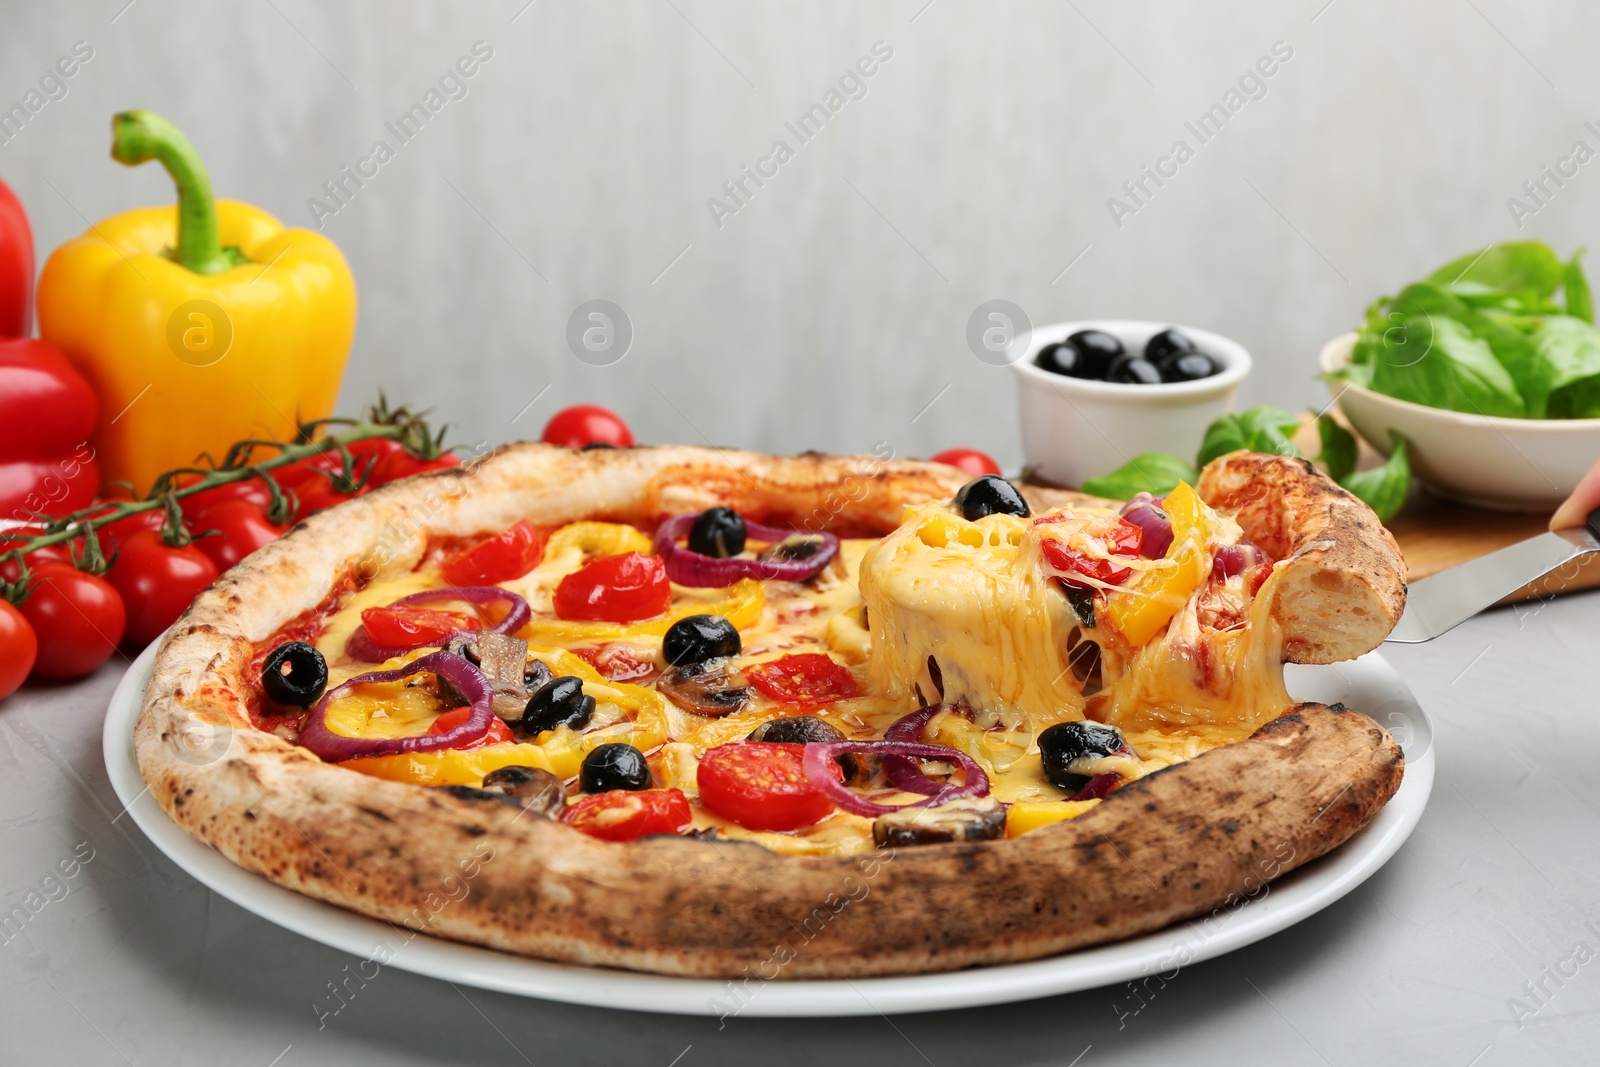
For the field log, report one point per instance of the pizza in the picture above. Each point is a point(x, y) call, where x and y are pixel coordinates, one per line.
point(693, 711)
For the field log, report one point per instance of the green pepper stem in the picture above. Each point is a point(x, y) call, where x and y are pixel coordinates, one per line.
point(140, 136)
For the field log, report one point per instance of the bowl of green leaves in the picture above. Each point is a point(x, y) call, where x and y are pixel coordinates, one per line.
point(1487, 370)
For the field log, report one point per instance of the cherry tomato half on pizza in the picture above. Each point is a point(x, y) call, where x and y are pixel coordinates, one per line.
point(585, 425)
point(625, 588)
point(1123, 541)
point(761, 786)
point(627, 815)
point(496, 559)
point(498, 732)
point(803, 678)
point(411, 626)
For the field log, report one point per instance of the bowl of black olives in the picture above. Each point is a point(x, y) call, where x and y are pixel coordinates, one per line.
point(1096, 394)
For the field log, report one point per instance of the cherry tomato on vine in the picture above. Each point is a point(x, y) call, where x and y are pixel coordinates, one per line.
point(194, 507)
point(9, 571)
point(762, 786)
point(497, 733)
point(18, 649)
point(586, 424)
point(507, 555)
point(242, 527)
point(318, 492)
point(623, 588)
point(158, 582)
point(803, 678)
point(410, 626)
point(77, 618)
point(970, 460)
point(627, 815)
point(399, 463)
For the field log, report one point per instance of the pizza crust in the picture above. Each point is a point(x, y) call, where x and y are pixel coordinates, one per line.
point(1173, 845)
point(1339, 585)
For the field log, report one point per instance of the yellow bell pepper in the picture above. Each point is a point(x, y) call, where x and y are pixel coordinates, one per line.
point(1025, 816)
point(198, 325)
point(395, 710)
point(1143, 610)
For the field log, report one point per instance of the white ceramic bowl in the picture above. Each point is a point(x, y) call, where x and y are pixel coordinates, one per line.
point(1484, 460)
point(1074, 430)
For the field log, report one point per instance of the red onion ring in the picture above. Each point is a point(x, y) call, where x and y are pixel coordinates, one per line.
point(467, 680)
point(1144, 511)
point(704, 572)
point(1098, 786)
point(819, 756)
point(363, 649)
point(903, 770)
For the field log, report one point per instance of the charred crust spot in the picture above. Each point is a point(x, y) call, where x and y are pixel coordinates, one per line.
point(200, 628)
point(473, 830)
point(1230, 827)
point(1337, 708)
point(1283, 726)
point(374, 812)
point(249, 813)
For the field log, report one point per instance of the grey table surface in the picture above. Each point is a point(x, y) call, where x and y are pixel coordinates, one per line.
point(1473, 946)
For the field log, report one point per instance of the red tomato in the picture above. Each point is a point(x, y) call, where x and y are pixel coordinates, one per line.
point(50, 553)
point(158, 582)
point(241, 526)
point(968, 459)
point(18, 649)
point(803, 678)
point(627, 815)
point(77, 617)
point(194, 507)
point(505, 556)
point(305, 469)
point(618, 663)
point(623, 588)
point(317, 492)
point(1124, 541)
point(47, 412)
point(408, 626)
point(498, 732)
point(586, 424)
point(54, 486)
point(402, 464)
point(762, 786)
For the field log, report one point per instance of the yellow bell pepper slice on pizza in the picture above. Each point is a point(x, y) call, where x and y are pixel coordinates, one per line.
point(1144, 609)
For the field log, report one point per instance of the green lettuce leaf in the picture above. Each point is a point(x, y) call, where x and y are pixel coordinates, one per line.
point(1156, 473)
point(1426, 354)
point(1530, 269)
point(1569, 352)
point(1580, 304)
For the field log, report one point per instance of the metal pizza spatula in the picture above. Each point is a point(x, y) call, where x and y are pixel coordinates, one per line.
point(1442, 601)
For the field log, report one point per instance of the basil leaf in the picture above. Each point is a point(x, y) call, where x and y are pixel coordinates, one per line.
point(1261, 429)
point(1529, 268)
point(1428, 356)
point(1569, 350)
point(1384, 489)
point(1156, 473)
point(1338, 447)
point(1580, 305)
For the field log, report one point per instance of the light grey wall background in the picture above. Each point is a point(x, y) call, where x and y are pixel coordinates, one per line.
point(830, 310)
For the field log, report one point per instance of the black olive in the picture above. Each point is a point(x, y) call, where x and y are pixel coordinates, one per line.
point(718, 532)
point(1096, 350)
point(1061, 358)
point(613, 766)
point(698, 638)
point(990, 494)
point(557, 703)
point(1167, 345)
point(1133, 370)
point(1188, 367)
point(538, 790)
point(971, 819)
point(806, 730)
point(792, 548)
point(1067, 741)
point(294, 675)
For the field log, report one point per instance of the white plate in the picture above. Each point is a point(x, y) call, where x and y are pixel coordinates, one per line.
point(1368, 683)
